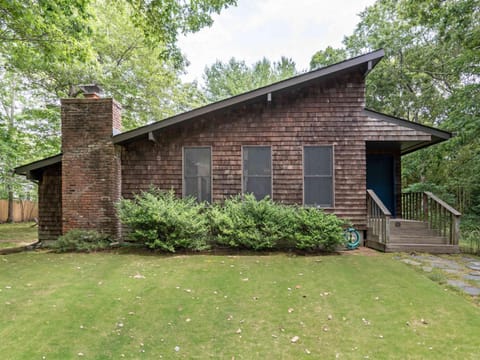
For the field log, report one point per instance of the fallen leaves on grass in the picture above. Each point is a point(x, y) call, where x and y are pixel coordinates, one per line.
point(365, 321)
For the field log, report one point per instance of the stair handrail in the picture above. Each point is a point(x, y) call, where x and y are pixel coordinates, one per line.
point(427, 207)
point(443, 204)
point(378, 217)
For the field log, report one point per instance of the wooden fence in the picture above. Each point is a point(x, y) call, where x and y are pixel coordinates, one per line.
point(23, 210)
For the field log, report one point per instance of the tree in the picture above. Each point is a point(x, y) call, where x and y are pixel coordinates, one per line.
point(148, 88)
point(429, 75)
point(327, 57)
point(223, 80)
point(128, 47)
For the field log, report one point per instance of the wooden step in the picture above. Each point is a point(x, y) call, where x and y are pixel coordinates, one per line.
point(428, 248)
point(403, 225)
point(411, 235)
point(413, 232)
point(418, 239)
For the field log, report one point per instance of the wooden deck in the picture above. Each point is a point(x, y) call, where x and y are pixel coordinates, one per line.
point(429, 225)
point(409, 236)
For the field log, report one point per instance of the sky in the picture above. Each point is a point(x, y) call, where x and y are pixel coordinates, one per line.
point(271, 28)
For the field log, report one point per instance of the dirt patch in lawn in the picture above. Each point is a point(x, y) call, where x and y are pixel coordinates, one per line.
point(362, 250)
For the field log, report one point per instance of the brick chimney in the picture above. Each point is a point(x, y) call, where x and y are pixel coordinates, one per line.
point(91, 164)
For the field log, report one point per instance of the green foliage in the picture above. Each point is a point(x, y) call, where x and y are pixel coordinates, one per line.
point(163, 221)
point(315, 230)
point(162, 21)
point(223, 80)
point(327, 57)
point(429, 75)
point(128, 47)
point(81, 240)
point(470, 240)
point(439, 190)
point(244, 222)
point(38, 33)
point(140, 77)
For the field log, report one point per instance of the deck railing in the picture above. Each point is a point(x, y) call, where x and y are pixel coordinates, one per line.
point(378, 217)
point(441, 217)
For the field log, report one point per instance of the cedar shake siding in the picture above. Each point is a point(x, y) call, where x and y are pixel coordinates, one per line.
point(90, 165)
point(321, 114)
point(50, 203)
point(326, 113)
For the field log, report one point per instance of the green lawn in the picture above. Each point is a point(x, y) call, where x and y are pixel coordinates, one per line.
point(111, 306)
point(18, 233)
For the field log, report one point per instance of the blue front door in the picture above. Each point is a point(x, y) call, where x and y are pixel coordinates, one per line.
point(381, 178)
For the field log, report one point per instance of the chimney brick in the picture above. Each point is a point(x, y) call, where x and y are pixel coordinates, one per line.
point(91, 165)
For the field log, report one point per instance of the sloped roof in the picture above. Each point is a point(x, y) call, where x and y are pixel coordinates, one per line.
point(29, 169)
point(406, 147)
point(364, 63)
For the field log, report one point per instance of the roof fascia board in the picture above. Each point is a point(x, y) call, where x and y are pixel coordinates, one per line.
point(419, 146)
point(26, 169)
point(442, 134)
point(372, 58)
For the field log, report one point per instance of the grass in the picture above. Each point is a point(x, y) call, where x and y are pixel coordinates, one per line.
point(110, 306)
point(18, 232)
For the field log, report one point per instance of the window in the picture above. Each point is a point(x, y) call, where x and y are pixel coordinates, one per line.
point(257, 171)
point(318, 176)
point(197, 175)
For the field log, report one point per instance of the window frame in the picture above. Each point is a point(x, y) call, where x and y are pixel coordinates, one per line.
point(332, 176)
point(271, 167)
point(209, 147)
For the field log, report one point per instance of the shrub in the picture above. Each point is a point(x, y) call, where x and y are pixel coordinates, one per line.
point(245, 222)
point(315, 230)
point(81, 240)
point(258, 225)
point(163, 221)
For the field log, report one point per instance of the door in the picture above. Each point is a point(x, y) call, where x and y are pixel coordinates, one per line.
point(381, 178)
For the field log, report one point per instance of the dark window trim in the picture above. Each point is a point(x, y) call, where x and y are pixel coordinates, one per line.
point(332, 206)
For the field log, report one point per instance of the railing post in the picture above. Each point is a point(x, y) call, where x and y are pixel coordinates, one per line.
point(387, 229)
point(455, 234)
point(425, 207)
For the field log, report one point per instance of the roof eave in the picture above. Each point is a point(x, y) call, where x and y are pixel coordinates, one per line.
point(436, 135)
point(421, 146)
point(27, 169)
point(371, 59)
point(441, 134)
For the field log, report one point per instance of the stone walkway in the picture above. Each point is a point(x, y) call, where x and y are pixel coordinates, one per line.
point(460, 271)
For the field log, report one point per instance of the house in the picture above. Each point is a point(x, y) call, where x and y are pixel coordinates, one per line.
point(305, 140)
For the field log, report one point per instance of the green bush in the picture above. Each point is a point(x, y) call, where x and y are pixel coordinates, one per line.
point(244, 222)
point(81, 240)
point(315, 230)
point(163, 221)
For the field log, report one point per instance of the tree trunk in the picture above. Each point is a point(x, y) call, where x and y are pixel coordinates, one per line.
point(10, 205)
